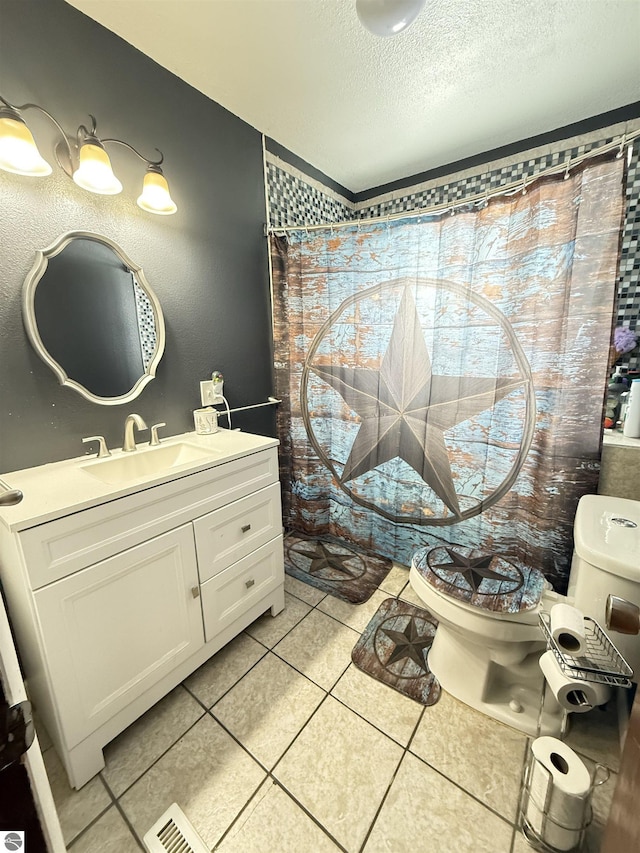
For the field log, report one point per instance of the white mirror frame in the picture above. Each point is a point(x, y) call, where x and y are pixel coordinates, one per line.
point(29, 318)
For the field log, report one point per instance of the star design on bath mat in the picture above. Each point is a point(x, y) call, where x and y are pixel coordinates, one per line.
point(322, 558)
point(473, 569)
point(405, 409)
point(409, 643)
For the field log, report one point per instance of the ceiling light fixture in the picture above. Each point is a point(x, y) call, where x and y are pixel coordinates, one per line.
point(85, 159)
point(388, 17)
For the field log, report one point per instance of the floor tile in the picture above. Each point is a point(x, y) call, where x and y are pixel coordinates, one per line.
point(339, 769)
point(356, 616)
point(274, 822)
point(479, 754)
point(396, 715)
point(134, 751)
point(423, 805)
point(396, 580)
point(595, 734)
point(76, 809)
point(268, 707)
point(320, 647)
point(224, 669)
point(206, 773)
point(109, 834)
point(270, 629)
point(408, 594)
point(302, 590)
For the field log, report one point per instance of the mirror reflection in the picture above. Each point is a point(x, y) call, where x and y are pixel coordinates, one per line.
point(93, 318)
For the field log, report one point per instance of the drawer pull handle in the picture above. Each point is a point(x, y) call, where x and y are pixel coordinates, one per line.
point(195, 591)
point(249, 583)
point(246, 527)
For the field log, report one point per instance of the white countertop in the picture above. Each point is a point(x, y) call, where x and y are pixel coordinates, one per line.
point(59, 488)
point(615, 438)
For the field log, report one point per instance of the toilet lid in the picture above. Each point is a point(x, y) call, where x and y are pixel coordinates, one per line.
point(481, 579)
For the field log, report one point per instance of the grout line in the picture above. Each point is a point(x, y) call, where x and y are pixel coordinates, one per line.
point(91, 823)
point(393, 778)
point(125, 817)
point(464, 790)
point(161, 756)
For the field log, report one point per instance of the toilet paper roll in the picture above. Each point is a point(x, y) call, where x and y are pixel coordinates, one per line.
point(567, 629)
point(573, 694)
point(559, 789)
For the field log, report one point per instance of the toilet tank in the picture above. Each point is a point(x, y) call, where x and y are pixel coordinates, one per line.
point(606, 559)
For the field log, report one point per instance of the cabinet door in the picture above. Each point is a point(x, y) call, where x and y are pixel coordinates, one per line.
point(114, 629)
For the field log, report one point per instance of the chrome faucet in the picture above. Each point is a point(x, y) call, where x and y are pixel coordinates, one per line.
point(129, 438)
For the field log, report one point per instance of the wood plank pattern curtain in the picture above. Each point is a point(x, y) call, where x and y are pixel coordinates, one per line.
point(443, 379)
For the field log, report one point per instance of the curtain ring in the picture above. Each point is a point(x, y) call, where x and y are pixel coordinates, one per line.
point(622, 144)
point(524, 185)
point(566, 171)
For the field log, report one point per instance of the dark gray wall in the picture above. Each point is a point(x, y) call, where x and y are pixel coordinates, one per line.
point(207, 264)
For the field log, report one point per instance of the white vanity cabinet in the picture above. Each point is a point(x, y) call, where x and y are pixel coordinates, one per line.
point(115, 603)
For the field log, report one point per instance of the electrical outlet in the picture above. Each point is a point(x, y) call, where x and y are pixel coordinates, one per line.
point(207, 393)
point(217, 391)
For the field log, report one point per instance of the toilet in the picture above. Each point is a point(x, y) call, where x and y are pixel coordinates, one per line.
point(488, 642)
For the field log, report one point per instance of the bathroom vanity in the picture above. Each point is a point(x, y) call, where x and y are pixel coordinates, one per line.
point(125, 574)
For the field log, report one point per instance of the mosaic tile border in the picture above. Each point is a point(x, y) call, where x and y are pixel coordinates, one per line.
point(296, 200)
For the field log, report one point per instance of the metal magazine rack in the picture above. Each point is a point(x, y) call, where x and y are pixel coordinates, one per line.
point(602, 663)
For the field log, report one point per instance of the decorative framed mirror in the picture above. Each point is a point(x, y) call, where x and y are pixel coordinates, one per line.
point(93, 318)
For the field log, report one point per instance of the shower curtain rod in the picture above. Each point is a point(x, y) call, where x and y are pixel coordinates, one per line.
point(483, 197)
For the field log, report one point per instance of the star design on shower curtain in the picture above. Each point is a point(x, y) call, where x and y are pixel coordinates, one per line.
point(409, 643)
point(405, 408)
point(322, 558)
point(473, 569)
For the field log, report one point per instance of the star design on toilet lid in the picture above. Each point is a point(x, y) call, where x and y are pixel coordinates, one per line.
point(410, 643)
point(476, 570)
point(327, 562)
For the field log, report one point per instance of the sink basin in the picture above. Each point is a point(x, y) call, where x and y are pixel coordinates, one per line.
point(147, 462)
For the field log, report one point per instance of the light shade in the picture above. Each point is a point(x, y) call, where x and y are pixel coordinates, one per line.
point(94, 172)
point(18, 151)
point(155, 197)
point(388, 17)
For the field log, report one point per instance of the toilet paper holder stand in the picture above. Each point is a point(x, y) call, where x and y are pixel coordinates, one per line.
point(604, 664)
point(549, 825)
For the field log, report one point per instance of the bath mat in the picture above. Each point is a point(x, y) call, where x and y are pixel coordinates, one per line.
point(334, 567)
point(394, 647)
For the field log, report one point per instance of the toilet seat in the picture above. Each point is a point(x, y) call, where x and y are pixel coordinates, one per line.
point(481, 581)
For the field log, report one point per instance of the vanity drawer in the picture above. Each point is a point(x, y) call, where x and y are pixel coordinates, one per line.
point(59, 548)
point(227, 535)
point(233, 591)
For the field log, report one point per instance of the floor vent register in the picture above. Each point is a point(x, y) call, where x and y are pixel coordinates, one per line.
point(173, 832)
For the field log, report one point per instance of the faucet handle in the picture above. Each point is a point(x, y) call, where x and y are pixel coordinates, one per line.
point(103, 450)
point(154, 434)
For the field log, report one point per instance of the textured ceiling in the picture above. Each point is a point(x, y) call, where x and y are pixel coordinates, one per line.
point(467, 77)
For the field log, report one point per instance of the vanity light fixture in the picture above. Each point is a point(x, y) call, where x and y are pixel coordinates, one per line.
point(85, 159)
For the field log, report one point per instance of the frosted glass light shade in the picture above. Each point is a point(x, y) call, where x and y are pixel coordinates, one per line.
point(155, 197)
point(18, 151)
point(388, 17)
point(94, 172)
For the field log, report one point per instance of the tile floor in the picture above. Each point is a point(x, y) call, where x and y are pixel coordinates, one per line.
point(278, 744)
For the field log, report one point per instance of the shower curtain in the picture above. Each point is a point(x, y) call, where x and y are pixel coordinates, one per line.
point(443, 378)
